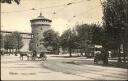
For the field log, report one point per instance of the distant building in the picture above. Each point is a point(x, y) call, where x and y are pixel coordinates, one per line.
point(26, 39)
point(39, 26)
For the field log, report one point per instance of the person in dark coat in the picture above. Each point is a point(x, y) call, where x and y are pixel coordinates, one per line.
point(43, 56)
point(34, 55)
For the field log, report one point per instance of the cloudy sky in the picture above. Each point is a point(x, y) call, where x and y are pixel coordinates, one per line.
point(17, 17)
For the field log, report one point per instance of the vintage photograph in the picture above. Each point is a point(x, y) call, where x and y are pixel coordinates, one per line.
point(64, 40)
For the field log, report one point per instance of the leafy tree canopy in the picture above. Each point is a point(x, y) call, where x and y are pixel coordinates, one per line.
point(10, 1)
point(51, 39)
point(13, 41)
point(115, 21)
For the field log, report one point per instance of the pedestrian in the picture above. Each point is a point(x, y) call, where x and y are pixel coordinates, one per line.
point(34, 55)
point(45, 56)
point(41, 55)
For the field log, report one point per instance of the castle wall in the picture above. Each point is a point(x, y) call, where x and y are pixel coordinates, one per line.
point(26, 39)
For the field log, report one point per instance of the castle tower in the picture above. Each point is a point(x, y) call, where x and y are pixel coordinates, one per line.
point(39, 25)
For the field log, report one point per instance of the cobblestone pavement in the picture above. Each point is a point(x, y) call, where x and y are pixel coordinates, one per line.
point(56, 68)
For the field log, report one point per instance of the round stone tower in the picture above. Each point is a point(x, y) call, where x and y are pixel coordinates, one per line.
point(39, 26)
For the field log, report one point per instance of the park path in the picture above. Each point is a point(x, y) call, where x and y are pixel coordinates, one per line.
point(57, 68)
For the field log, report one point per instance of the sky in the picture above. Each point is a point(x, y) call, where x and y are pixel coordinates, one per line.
point(17, 17)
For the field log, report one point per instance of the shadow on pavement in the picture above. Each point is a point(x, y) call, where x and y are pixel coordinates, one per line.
point(66, 56)
point(90, 62)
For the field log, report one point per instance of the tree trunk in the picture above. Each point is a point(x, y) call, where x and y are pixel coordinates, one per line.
point(70, 52)
point(124, 54)
point(12, 51)
point(119, 55)
point(16, 52)
point(81, 53)
point(9, 52)
point(84, 52)
point(58, 51)
point(114, 53)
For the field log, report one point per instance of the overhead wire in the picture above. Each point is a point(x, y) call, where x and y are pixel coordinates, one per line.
point(70, 4)
point(55, 12)
point(17, 11)
point(32, 9)
point(65, 6)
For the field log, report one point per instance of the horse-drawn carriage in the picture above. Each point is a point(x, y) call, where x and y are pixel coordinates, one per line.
point(98, 58)
point(33, 56)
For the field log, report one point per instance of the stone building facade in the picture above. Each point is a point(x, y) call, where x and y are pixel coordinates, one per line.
point(39, 25)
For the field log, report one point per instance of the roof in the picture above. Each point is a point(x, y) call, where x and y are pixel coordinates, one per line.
point(40, 17)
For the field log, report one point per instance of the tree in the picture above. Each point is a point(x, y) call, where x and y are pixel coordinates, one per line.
point(1, 41)
point(51, 39)
point(82, 35)
point(10, 1)
point(13, 41)
point(31, 46)
point(8, 42)
point(18, 40)
point(1, 44)
point(97, 33)
point(68, 40)
point(115, 23)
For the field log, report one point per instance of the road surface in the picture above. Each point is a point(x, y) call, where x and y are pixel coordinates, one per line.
point(57, 68)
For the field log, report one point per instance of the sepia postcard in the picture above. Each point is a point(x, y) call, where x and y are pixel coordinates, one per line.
point(64, 40)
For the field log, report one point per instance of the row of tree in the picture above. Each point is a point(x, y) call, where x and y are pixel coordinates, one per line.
point(12, 41)
point(112, 35)
point(71, 39)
